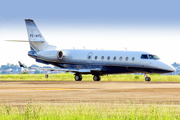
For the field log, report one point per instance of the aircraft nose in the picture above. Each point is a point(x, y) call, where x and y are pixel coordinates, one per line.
point(170, 68)
point(167, 67)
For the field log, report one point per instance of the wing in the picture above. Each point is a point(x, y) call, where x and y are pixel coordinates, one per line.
point(70, 70)
point(64, 69)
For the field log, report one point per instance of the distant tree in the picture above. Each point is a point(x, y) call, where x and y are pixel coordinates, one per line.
point(24, 72)
point(17, 66)
point(4, 72)
point(12, 65)
point(4, 67)
point(175, 64)
point(37, 72)
point(8, 64)
point(34, 65)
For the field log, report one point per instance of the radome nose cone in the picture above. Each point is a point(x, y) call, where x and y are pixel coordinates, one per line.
point(171, 68)
point(165, 67)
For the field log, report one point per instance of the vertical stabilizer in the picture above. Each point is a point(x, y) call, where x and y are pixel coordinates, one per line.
point(36, 40)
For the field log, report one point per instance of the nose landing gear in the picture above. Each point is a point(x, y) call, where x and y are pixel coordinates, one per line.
point(147, 78)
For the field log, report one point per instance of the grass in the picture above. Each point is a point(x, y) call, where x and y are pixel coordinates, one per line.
point(70, 77)
point(93, 111)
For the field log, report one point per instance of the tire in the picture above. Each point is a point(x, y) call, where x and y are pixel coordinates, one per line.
point(147, 79)
point(46, 75)
point(78, 77)
point(96, 78)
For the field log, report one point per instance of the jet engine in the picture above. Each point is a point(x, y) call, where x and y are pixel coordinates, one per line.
point(50, 55)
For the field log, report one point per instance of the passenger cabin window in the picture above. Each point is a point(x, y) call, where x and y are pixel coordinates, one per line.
point(95, 57)
point(144, 56)
point(127, 58)
point(108, 57)
point(102, 58)
point(89, 57)
point(114, 58)
point(120, 58)
point(133, 59)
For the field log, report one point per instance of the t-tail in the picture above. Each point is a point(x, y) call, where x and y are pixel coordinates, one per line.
point(36, 40)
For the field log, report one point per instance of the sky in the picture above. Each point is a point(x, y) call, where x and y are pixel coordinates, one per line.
point(139, 25)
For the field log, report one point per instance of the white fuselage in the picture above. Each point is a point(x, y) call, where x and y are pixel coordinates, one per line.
point(130, 60)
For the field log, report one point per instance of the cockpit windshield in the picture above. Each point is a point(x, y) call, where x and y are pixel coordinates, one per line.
point(149, 56)
point(154, 57)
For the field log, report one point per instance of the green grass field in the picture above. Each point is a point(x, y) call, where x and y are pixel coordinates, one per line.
point(96, 111)
point(70, 77)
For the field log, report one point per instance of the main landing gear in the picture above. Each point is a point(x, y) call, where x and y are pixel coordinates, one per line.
point(78, 77)
point(147, 78)
point(96, 78)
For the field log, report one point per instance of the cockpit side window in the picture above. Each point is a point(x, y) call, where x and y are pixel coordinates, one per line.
point(154, 57)
point(144, 56)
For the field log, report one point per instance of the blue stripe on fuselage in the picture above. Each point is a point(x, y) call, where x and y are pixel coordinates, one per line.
point(113, 69)
point(107, 68)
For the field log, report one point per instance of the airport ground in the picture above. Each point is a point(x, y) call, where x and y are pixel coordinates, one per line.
point(61, 92)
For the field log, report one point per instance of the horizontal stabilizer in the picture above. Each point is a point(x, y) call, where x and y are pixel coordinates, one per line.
point(37, 41)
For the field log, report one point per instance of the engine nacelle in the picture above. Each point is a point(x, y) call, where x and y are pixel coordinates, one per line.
point(60, 55)
point(50, 55)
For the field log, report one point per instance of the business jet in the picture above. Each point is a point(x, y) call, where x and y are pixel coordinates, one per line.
point(95, 62)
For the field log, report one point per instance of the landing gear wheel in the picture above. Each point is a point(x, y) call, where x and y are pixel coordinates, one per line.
point(96, 78)
point(78, 77)
point(147, 79)
point(46, 75)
